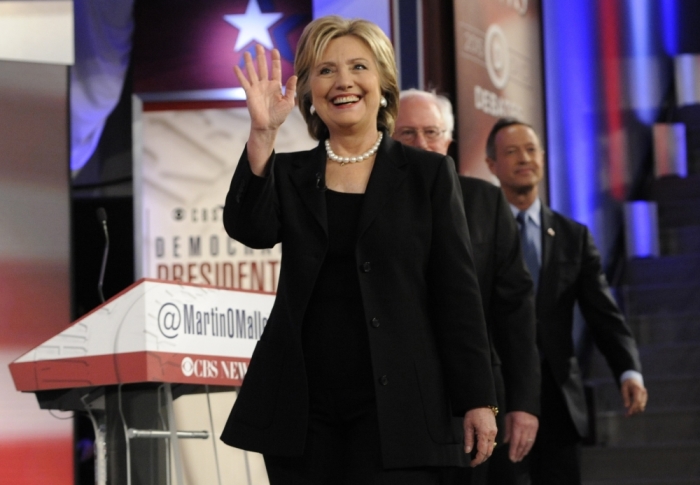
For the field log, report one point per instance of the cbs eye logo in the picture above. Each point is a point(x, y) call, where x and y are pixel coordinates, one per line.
point(169, 320)
point(497, 56)
point(187, 367)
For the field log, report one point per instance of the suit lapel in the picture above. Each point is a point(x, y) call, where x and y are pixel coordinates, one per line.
point(385, 178)
point(548, 241)
point(309, 177)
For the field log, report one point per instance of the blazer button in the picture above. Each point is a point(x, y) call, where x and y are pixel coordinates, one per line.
point(239, 195)
point(241, 191)
point(375, 322)
point(384, 380)
point(366, 267)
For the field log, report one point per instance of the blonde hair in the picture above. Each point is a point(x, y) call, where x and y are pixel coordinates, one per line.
point(313, 42)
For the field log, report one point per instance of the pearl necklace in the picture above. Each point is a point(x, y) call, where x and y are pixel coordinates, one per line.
point(364, 156)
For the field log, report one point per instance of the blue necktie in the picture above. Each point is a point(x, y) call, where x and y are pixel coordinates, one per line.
point(528, 247)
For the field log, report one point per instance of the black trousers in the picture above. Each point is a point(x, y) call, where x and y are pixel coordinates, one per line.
point(343, 447)
point(497, 470)
point(555, 458)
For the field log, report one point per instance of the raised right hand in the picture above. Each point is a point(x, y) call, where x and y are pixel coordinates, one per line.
point(267, 105)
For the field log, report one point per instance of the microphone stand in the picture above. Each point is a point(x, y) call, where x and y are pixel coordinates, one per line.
point(102, 217)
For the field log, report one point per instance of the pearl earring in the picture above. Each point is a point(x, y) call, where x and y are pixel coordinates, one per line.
point(312, 110)
point(383, 102)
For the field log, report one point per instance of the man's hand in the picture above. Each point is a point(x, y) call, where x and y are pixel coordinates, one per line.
point(634, 396)
point(521, 430)
point(479, 422)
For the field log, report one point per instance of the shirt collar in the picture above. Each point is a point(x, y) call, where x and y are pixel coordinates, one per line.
point(533, 212)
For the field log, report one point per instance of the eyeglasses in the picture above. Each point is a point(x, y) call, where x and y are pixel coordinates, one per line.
point(409, 134)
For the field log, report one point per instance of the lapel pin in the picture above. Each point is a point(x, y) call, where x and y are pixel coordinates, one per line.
point(550, 231)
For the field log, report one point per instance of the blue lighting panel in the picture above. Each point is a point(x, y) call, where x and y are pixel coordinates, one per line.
point(642, 231)
point(669, 20)
point(570, 97)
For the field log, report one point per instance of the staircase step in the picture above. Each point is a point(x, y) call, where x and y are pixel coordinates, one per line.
point(677, 213)
point(690, 116)
point(641, 481)
point(665, 329)
point(650, 427)
point(659, 462)
point(645, 271)
point(664, 298)
point(676, 188)
point(663, 360)
point(692, 133)
point(680, 240)
point(665, 394)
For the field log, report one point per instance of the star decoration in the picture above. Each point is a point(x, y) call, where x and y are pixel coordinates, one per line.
point(253, 25)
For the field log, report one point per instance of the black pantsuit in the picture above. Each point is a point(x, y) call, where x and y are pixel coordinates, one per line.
point(571, 272)
point(556, 455)
point(509, 305)
point(422, 312)
point(343, 447)
point(508, 297)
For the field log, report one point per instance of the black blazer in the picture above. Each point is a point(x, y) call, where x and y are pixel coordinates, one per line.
point(507, 294)
point(425, 323)
point(572, 272)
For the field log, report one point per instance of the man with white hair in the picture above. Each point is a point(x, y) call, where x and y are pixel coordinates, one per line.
point(426, 121)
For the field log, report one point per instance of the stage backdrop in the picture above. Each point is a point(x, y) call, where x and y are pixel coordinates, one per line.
point(184, 157)
point(499, 73)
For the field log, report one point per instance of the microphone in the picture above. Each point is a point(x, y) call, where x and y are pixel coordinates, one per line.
point(102, 218)
point(320, 184)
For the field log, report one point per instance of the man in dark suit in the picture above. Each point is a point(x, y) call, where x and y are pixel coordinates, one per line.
point(425, 121)
point(566, 268)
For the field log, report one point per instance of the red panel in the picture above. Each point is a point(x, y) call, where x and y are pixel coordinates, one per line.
point(79, 372)
point(45, 461)
point(612, 90)
point(34, 302)
point(130, 367)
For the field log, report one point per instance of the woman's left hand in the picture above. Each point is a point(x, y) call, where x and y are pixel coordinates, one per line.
point(267, 104)
point(480, 424)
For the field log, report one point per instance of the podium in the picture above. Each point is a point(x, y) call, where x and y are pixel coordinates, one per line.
point(126, 361)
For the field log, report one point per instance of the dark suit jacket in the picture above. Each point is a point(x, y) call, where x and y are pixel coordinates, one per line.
point(508, 297)
point(425, 323)
point(572, 272)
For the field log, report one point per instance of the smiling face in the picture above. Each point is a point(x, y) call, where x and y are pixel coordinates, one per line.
point(418, 115)
point(345, 86)
point(519, 163)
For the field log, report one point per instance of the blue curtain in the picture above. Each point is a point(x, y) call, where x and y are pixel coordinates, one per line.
point(103, 31)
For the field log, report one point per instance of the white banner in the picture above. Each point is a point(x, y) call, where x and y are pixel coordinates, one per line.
point(184, 161)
